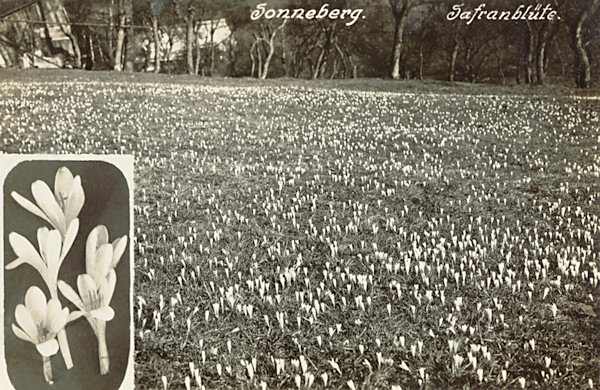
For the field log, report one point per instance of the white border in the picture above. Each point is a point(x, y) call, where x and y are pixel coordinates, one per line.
point(123, 163)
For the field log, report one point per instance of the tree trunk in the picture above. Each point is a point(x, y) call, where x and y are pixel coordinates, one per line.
point(354, 67)
point(529, 65)
point(198, 59)
point(120, 40)
point(341, 54)
point(92, 54)
point(500, 68)
point(335, 70)
point(156, 44)
point(189, 43)
point(468, 66)
point(453, 60)
point(399, 30)
point(399, 11)
point(317, 66)
point(111, 28)
point(322, 60)
point(540, 62)
point(560, 59)
point(323, 67)
point(103, 58)
point(125, 16)
point(268, 60)
point(260, 63)
point(421, 64)
point(284, 62)
point(76, 48)
point(584, 76)
point(271, 50)
point(252, 58)
point(212, 47)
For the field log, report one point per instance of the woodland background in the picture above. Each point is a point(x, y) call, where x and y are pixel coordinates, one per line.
point(396, 39)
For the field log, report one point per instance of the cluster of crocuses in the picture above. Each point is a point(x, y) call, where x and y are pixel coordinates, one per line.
point(41, 321)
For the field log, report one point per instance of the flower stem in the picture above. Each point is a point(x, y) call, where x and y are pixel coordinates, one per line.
point(47, 369)
point(102, 348)
point(63, 343)
point(64, 348)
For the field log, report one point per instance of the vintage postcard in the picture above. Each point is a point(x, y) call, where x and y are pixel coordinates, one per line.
point(345, 194)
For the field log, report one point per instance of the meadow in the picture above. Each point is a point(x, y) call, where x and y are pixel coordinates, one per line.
point(359, 234)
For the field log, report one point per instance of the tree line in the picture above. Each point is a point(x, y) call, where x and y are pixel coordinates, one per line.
point(393, 38)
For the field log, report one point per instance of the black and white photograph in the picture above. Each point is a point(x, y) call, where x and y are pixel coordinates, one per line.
point(300, 194)
point(67, 276)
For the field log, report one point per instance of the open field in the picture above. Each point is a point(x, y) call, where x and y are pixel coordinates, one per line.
point(296, 234)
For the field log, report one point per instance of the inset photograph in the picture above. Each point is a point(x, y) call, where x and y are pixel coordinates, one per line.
point(67, 272)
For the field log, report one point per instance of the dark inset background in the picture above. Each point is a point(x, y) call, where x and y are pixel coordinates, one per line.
point(107, 203)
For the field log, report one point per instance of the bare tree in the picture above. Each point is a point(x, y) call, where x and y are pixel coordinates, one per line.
point(75, 9)
point(271, 47)
point(265, 41)
point(584, 10)
point(188, 11)
point(156, 7)
point(400, 12)
point(328, 34)
point(125, 16)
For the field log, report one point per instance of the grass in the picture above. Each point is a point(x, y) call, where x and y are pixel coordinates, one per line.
point(344, 234)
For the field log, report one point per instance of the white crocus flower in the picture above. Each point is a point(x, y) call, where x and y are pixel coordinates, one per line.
point(52, 252)
point(93, 299)
point(60, 208)
point(39, 322)
point(97, 240)
point(93, 302)
point(96, 286)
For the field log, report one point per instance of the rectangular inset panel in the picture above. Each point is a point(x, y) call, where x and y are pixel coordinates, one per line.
point(67, 272)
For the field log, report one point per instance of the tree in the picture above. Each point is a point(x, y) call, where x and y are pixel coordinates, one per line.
point(579, 14)
point(125, 17)
point(80, 36)
point(192, 12)
point(400, 11)
point(156, 7)
point(66, 29)
point(264, 41)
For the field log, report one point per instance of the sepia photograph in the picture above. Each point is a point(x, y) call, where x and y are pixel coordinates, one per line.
point(300, 194)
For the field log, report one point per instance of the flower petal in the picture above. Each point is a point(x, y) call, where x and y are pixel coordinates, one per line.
point(42, 237)
point(26, 322)
point(56, 317)
point(63, 183)
point(109, 288)
point(35, 302)
point(48, 348)
point(75, 201)
point(102, 263)
point(68, 292)
point(25, 251)
point(29, 206)
point(20, 334)
point(45, 199)
point(15, 263)
point(97, 237)
point(105, 313)
point(52, 250)
point(69, 238)
point(119, 246)
point(74, 315)
point(87, 291)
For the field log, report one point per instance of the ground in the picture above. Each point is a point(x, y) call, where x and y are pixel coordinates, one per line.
point(344, 234)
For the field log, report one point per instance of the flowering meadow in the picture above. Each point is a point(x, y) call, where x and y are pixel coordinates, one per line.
point(291, 235)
